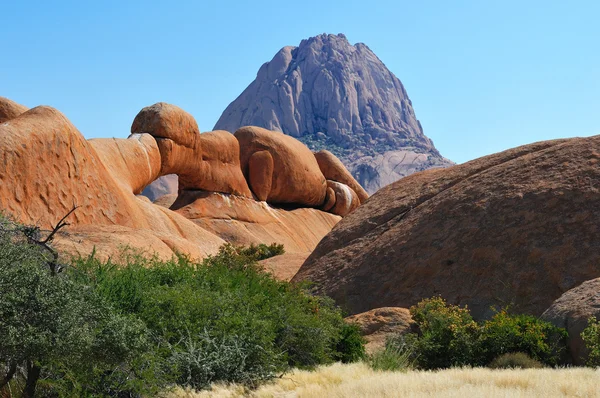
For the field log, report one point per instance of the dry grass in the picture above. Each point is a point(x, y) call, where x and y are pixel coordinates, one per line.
point(358, 380)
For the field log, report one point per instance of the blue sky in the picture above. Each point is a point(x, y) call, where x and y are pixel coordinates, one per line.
point(483, 76)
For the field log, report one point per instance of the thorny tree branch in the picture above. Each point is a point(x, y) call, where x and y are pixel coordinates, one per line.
point(33, 236)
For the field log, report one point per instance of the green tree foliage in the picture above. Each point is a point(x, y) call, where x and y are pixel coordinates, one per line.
point(508, 333)
point(133, 329)
point(224, 319)
point(50, 324)
point(591, 338)
point(448, 336)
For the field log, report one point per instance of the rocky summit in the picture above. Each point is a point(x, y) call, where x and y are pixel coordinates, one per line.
point(332, 95)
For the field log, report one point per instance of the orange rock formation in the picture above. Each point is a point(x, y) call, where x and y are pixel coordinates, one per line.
point(47, 167)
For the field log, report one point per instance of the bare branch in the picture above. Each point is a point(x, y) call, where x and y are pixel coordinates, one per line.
point(62, 223)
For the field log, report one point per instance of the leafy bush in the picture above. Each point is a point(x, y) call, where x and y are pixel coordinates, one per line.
point(514, 360)
point(397, 355)
point(224, 319)
point(507, 333)
point(351, 346)
point(261, 251)
point(447, 335)
point(591, 338)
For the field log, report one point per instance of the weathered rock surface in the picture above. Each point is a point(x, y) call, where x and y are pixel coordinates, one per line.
point(380, 323)
point(346, 200)
point(47, 167)
point(518, 227)
point(246, 221)
point(207, 162)
point(572, 311)
point(341, 97)
point(284, 266)
point(296, 177)
point(333, 169)
point(376, 171)
point(10, 109)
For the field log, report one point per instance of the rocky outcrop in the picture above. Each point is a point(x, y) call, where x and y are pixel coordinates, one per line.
point(208, 161)
point(515, 228)
point(334, 170)
point(345, 199)
point(48, 167)
point(333, 95)
point(572, 311)
point(379, 324)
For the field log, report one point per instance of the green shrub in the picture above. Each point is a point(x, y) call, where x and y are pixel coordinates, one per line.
point(515, 360)
point(507, 333)
point(591, 338)
point(351, 346)
point(397, 355)
point(447, 335)
point(224, 319)
point(261, 251)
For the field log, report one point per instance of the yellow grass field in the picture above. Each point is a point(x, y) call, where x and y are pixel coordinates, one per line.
point(358, 380)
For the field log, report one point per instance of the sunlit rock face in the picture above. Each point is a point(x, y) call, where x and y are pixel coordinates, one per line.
point(336, 96)
point(48, 167)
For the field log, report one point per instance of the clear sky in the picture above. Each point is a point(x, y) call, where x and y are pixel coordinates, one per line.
point(483, 75)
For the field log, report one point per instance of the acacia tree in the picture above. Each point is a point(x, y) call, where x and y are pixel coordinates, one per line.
point(46, 318)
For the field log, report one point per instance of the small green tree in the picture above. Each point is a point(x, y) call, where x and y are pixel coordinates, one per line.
point(447, 334)
point(591, 338)
point(47, 321)
point(508, 333)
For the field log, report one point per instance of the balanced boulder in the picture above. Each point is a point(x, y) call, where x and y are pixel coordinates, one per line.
point(296, 177)
point(208, 161)
point(346, 200)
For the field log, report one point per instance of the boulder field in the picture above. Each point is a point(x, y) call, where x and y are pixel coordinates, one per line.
point(47, 167)
point(518, 228)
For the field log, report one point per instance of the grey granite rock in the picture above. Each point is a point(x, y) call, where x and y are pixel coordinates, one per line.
point(341, 97)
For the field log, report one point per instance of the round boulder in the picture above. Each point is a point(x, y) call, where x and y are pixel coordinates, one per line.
point(296, 177)
point(572, 311)
point(333, 169)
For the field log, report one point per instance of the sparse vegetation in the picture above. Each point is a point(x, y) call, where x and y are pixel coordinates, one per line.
point(396, 356)
point(515, 360)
